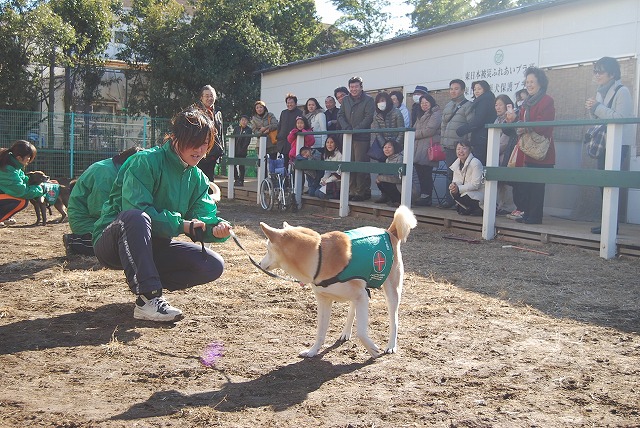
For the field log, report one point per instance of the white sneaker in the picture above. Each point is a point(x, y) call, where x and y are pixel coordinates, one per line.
point(2, 224)
point(156, 309)
point(10, 221)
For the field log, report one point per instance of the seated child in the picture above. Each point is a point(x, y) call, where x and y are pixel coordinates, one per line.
point(330, 181)
point(312, 176)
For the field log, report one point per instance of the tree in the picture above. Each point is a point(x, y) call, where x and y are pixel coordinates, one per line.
point(30, 38)
point(363, 20)
point(432, 13)
point(92, 21)
point(223, 44)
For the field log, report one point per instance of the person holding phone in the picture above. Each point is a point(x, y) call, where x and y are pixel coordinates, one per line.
point(508, 140)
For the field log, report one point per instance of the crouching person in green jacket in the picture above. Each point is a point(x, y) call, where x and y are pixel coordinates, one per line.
point(159, 194)
point(89, 192)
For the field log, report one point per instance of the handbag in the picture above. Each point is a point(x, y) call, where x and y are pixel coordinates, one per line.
point(516, 159)
point(273, 135)
point(375, 152)
point(534, 145)
point(596, 136)
point(596, 141)
point(435, 152)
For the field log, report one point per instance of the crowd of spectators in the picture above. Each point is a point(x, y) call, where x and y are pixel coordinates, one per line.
point(461, 120)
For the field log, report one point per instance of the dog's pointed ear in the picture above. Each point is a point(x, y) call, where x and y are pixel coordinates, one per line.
point(269, 231)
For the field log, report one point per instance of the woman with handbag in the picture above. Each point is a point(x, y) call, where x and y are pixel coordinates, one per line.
point(264, 122)
point(427, 135)
point(535, 142)
point(612, 101)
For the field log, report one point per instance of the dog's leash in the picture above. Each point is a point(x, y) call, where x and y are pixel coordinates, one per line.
point(197, 235)
point(256, 264)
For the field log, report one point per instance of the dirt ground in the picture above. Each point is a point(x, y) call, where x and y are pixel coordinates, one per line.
point(489, 337)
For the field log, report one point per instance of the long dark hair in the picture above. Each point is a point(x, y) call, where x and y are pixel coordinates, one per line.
point(327, 154)
point(20, 148)
point(431, 100)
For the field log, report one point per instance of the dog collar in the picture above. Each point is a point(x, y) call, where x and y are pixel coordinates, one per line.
point(319, 261)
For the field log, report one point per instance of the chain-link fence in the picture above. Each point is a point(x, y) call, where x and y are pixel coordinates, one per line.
point(68, 143)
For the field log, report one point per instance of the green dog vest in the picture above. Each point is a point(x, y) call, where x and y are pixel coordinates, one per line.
point(371, 258)
point(51, 192)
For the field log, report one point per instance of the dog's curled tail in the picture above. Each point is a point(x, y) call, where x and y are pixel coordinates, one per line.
point(403, 222)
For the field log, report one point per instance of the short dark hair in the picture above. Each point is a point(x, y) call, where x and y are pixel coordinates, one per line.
point(355, 79)
point(608, 65)
point(540, 75)
point(340, 89)
point(191, 128)
point(398, 95)
point(463, 86)
point(291, 96)
point(465, 143)
point(505, 99)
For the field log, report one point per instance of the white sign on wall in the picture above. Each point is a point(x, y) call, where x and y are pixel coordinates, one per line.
point(503, 67)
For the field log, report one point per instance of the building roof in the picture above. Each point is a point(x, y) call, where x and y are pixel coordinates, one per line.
point(424, 33)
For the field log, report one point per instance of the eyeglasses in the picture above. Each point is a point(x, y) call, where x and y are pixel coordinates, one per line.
point(598, 72)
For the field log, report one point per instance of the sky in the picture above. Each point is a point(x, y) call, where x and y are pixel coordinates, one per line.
point(397, 9)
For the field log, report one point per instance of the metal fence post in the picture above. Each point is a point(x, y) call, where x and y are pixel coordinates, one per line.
point(71, 143)
point(144, 131)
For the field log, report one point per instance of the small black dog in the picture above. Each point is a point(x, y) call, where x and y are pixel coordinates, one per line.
point(41, 205)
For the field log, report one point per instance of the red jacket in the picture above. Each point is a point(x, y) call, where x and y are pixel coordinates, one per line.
point(543, 111)
point(292, 138)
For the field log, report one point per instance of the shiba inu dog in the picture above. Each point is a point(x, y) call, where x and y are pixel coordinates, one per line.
point(341, 266)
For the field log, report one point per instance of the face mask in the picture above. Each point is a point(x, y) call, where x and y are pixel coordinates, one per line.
point(416, 98)
point(382, 106)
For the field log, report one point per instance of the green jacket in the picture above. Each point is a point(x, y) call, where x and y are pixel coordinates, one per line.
point(156, 182)
point(14, 182)
point(90, 192)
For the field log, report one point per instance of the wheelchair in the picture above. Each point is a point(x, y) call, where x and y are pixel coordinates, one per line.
point(276, 190)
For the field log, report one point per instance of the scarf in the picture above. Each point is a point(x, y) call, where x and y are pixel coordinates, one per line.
point(312, 114)
point(532, 100)
point(605, 88)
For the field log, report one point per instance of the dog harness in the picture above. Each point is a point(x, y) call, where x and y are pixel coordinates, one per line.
point(371, 258)
point(51, 192)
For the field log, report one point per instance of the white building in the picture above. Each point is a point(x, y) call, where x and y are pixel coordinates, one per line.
point(564, 37)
